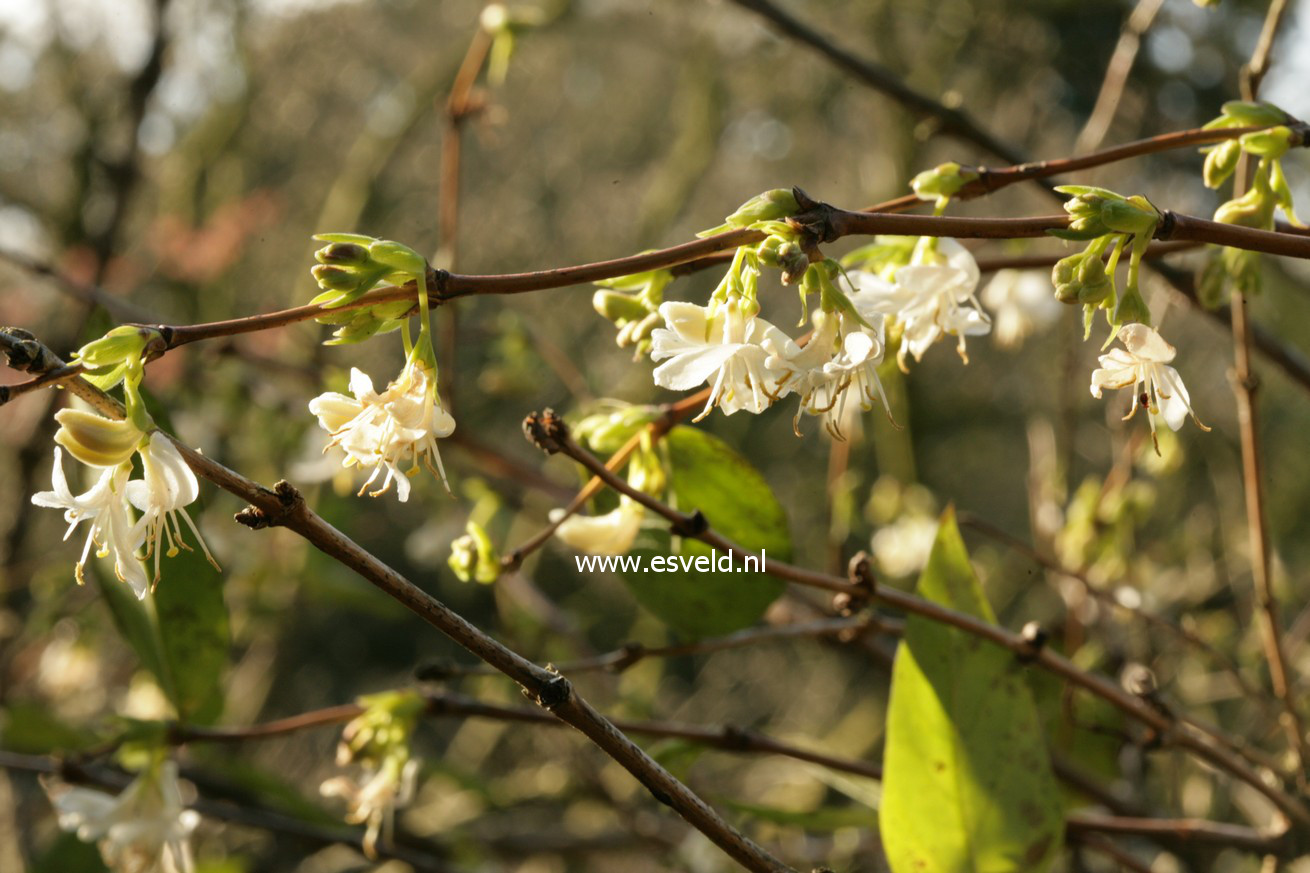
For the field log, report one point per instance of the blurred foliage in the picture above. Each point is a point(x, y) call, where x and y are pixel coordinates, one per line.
point(620, 127)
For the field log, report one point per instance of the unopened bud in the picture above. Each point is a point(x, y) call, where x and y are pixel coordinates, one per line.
point(944, 180)
point(95, 440)
point(1220, 162)
point(343, 254)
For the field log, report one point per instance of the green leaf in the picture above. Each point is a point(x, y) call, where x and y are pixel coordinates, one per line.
point(967, 784)
point(706, 474)
point(68, 854)
point(30, 727)
point(193, 631)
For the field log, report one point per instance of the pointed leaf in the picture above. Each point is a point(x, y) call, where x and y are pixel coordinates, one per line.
point(967, 784)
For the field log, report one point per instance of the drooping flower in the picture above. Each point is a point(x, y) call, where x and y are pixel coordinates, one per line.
point(838, 363)
point(105, 505)
point(1144, 362)
point(167, 487)
point(931, 297)
point(612, 533)
point(378, 740)
point(719, 344)
point(143, 830)
point(1021, 302)
point(383, 431)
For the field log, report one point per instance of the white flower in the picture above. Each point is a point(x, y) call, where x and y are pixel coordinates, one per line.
point(610, 534)
point(142, 830)
point(840, 360)
point(719, 344)
point(930, 300)
point(1143, 361)
point(902, 548)
point(1022, 302)
point(374, 798)
point(166, 488)
point(105, 505)
point(384, 430)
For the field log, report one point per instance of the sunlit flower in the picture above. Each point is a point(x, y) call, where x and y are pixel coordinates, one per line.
point(105, 505)
point(718, 344)
point(931, 298)
point(838, 365)
point(1143, 362)
point(167, 487)
point(612, 533)
point(374, 798)
point(1021, 302)
point(385, 430)
point(143, 830)
point(902, 548)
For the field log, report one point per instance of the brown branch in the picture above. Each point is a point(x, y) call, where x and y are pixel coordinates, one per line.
point(953, 121)
point(1181, 831)
point(1116, 75)
point(550, 434)
point(1245, 387)
point(283, 506)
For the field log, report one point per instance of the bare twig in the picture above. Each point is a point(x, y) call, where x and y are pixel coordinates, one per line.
point(1245, 387)
point(550, 433)
point(1116, 75)
point(283, 506)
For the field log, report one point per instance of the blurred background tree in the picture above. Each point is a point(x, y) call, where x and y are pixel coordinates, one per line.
point(167, 162)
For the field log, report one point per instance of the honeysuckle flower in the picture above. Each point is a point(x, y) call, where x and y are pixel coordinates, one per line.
point(143, 830)
point(720, 344)
point(95, 440)
point(167, 487)
point(612, 533)
point(105, 505)
point(374, 798)
point(902, 547)
point(1144, 362)
point(1021, 302)
point(839, 362)
point(931, 298)
point(382, 431)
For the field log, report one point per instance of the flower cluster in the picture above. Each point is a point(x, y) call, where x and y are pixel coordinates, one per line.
point(161, 495)
point(144, 829)
point(378, 740)
point(749, 363)
point(383, 431)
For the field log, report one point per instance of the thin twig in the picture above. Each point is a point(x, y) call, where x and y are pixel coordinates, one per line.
point(283, 506)
point(550, 433)
point(1116, 75)
point(1245, 387)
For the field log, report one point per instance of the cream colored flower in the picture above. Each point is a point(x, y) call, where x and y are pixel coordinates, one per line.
point(610, 534)
point(1021, 302)
point(166, 488)
point(719, 344)
point(106, 506)
point(143, 830)
point(1143, 362)
point(374, 798)
point(383, 431)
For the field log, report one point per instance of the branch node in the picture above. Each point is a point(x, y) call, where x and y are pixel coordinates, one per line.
point(1034, 638)
point(24, 352)
point(629, 654)
point(1168, 221)
point(551, 694)
point(860, 572)
point(735, 738)
point(257, 518)
point(438, 280)
point(691, 526)
point(546, 430)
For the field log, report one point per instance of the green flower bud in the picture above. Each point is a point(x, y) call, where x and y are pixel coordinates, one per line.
point(606, 432)
point(343, 254)
point(1064, 278)
point(1130, 308)
point(618, 307)
point(120, 344)
point(398, 257)
point(1255, 209)
point(1134, 215)
point(942, 181)
point(1243, 113)
point(1220, 162)
point(95, 440)
point(332, 278)
point(1271, 143)
point(769, 206)
point(473, 557)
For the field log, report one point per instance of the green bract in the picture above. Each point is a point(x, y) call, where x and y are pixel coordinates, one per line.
point(775, 204)
point(352, 264)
